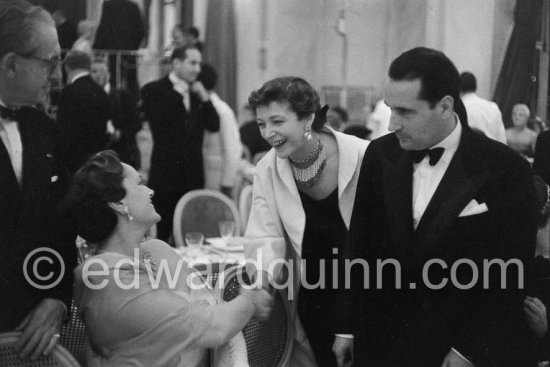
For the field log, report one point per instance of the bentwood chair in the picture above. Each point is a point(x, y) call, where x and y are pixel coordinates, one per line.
point(73, 336)
point(200, 211)
point(59, 357)
point(268, 342)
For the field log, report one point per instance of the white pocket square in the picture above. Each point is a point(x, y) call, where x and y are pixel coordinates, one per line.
point(473, 208)
point(54, 178)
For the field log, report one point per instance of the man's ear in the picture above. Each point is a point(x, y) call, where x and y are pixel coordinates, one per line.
point(117, 206)
point(447, 103)
point(8, 64)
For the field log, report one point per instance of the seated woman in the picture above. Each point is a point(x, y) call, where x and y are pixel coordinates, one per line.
point(304, 189)
point(137, 299)
point(520, 137)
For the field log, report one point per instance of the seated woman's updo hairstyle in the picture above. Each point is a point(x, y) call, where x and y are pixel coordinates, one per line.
point(299, 94)
point(96, 184)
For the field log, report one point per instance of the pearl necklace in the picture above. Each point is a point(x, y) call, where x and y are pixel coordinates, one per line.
point(307, 171)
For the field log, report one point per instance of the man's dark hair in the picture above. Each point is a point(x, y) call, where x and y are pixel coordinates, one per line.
point(192, 31)
point(437, 73)
point(468, 82)
point(78, 60)
point(180, 53)
point(18, 22)
point(208, 76)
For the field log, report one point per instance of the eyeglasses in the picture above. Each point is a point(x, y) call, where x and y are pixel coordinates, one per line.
point(51, 64)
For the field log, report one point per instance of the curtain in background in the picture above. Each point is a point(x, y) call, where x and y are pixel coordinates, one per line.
point(517, 79)
point(220, 48)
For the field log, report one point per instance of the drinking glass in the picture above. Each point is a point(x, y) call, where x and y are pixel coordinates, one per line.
point(227, 229)
point(194, 241)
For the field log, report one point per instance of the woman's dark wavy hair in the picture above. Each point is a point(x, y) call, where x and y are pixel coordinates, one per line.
point(299, 94)
point(96, 184)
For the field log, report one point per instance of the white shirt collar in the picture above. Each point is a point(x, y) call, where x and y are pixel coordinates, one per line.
point(107, 88)
point(180, 86)
point(78, 76)
point(451, 142)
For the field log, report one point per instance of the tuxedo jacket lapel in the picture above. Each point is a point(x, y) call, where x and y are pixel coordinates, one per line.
point(8, 182)
point(397, 181)
point(458, 186)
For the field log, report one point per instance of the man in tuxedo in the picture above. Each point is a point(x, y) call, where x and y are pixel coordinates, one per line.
point(32, 181)
point(178, 109)
point(83, 112)
point(125, 122)
point(440, 200)
point(121, 28)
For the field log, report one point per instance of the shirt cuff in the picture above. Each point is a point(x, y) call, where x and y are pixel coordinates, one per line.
point(347, 336)
point(461, 356)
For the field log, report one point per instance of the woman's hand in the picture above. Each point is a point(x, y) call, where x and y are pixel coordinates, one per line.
point(262, 300)
point(535, 314)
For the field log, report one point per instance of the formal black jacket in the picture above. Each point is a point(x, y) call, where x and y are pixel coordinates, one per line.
point(541, 166)
point(29, 220)
point(416, 326)
point(176, 162)
point(121, 26)
point(83, 113)
point(125, 117)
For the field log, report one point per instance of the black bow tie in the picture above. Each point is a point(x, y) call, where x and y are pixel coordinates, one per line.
point(7, 113)
point(435, 155)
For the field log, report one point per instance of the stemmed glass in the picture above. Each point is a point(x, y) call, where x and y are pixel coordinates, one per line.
point(227, 229)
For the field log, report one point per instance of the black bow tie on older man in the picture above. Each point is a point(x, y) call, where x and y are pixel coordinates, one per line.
point(7, 113)
point(434, 154)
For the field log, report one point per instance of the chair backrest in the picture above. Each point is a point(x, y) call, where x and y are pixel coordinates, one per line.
point(245, 204)
point(269, 342)
point(200, 211)
point(59, 357)
point(73, 336)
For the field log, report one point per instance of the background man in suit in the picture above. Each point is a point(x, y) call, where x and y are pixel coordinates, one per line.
point(469, 199)
point(221, 150)
point(83, 112)
point(121, 28)
point(178, 109)
point(124, 115)
point(483, 115)
point(31, 182)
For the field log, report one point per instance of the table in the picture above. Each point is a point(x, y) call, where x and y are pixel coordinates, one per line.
point(212, 252)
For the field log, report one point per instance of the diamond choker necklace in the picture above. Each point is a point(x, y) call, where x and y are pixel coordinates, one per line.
point(307, 171)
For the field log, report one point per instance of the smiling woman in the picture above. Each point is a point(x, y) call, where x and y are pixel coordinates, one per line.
point(304, 190)
point(134, 296)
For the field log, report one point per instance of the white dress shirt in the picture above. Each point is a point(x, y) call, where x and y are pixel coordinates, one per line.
point(221, 149)
point(78, 76)
point(182, 87)
point(484, 116)
point(426, 178)
point(11, 138)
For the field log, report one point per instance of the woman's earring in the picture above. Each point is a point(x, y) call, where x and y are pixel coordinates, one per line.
point(307, 135)
point(127, 213)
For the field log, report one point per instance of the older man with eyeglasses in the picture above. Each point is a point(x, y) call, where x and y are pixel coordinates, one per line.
point(37, 252)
